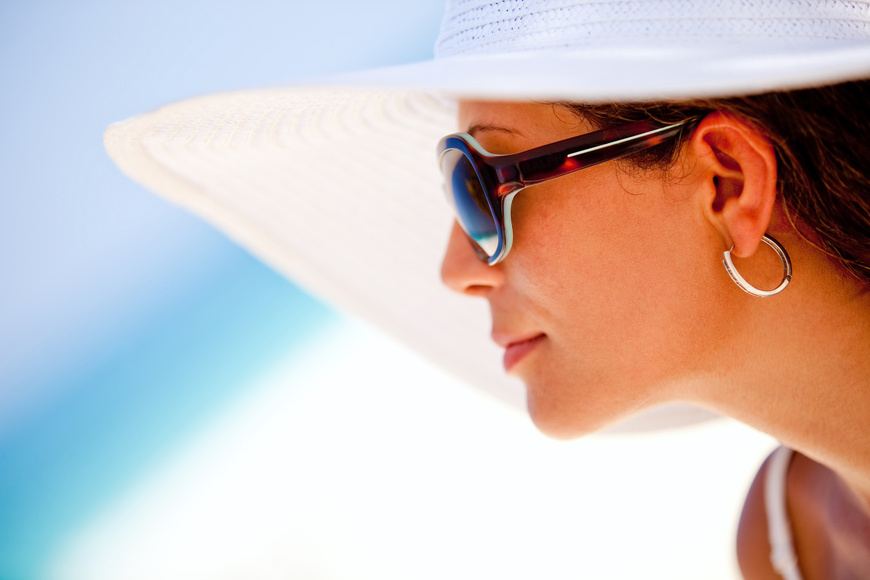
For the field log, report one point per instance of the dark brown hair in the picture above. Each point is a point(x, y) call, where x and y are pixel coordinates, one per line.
point(822, 141)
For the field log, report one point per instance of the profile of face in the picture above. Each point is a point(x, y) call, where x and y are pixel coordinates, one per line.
point(613, 297)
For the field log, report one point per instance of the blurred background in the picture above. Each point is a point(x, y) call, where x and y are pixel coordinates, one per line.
point(171, 408)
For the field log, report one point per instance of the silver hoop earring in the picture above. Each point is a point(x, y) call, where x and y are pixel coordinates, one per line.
point(749, 288)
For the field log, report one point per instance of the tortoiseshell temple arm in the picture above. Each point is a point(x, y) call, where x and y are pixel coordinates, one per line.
point(563, 157)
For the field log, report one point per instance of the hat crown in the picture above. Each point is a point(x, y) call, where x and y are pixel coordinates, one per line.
point(475, 27)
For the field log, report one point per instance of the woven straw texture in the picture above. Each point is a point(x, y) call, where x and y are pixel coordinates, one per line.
point(472, 27)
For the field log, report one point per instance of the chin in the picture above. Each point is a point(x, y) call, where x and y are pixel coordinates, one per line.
point(562, 421)
point(570, 413)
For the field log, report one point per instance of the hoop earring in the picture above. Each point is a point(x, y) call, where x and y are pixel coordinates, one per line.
point(749, 288)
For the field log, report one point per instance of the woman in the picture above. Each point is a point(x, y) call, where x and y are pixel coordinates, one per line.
point(727, 133)
point(613, 295)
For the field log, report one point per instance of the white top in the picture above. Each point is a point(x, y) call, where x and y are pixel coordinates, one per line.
point(782, 555)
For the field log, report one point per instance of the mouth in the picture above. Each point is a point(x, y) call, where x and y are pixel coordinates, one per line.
point(517, 349)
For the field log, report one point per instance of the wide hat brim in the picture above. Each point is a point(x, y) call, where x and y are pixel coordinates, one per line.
point(336, 186)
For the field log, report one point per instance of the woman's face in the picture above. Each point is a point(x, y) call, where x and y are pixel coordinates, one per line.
point(609, 275)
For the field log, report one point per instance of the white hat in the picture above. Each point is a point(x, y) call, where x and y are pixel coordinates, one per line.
point(336, 185)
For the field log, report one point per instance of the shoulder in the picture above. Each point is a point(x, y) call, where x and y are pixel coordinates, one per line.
point(829, 524)
point(753, 546)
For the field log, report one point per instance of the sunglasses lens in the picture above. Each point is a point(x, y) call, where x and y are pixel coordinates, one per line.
point(466, 193)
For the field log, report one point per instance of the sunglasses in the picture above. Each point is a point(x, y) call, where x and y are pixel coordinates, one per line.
point(481, 186)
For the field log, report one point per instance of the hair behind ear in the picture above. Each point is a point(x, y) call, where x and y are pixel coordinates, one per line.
point(820, 139)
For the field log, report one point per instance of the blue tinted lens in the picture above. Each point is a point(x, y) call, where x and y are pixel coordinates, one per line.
point(466, 193)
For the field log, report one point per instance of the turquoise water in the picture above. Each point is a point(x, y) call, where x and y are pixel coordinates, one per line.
point(114, 422)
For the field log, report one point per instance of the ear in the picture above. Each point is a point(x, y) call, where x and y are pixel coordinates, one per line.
point(739, 173)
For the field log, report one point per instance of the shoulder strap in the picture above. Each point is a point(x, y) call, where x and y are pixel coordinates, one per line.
point(782, 554)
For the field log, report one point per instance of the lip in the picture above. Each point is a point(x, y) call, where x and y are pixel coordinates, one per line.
point(517, 347)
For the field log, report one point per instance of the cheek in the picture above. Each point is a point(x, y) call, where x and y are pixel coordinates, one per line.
point(611, 277)
point(598, 246)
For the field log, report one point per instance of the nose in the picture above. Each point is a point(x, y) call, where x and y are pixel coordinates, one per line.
point(462, 271)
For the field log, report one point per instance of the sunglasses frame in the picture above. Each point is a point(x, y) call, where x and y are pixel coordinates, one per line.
point(504, 176)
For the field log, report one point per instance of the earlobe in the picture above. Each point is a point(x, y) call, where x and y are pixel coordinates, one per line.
point(740, 175)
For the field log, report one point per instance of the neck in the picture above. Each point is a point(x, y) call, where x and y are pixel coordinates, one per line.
point(804, 367)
